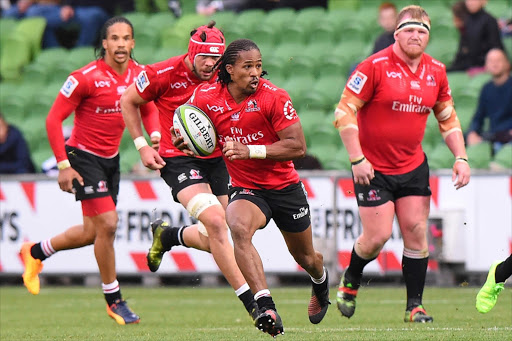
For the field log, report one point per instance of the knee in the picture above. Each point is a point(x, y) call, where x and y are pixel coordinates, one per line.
point(240, 231)
point(216, 227)
point(374, 243)
point(108, 226)
point(307, 261)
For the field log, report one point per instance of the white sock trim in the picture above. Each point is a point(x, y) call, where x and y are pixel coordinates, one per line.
point(262, 293)
point(415, 254)
point(46, 246)
point(321, 279)
point(111, 287)
point(242, 289)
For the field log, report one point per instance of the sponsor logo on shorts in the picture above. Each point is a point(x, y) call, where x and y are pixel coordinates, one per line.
point(142, 81)
point(373, 195)
point(303, 211)
point(88, 190)
point(182, 177)
point(69, 86)
point(102, 186)
point(246, 192)
point(360, 196)
point(194, 174)
point(357, 81)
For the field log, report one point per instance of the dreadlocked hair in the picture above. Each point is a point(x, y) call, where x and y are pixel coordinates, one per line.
point(99, 51)
point(231, 55)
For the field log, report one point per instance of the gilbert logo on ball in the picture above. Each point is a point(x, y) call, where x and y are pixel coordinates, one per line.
point(196, 128)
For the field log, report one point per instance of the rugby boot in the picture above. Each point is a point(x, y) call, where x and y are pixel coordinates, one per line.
point(269, 321)
point(121, 313)
point(417, 314)
point(346, 298)
point(156, 251)
point(254, 311)
point(33, 267)
point(488, 294)
point(319, 301)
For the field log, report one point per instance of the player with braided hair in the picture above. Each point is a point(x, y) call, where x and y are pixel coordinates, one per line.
point(261, 134)
point(199, 184)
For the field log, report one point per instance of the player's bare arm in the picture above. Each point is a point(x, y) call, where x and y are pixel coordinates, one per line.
point(130, 103)
point(449, 126)
point(291, 145)
point(346, 123)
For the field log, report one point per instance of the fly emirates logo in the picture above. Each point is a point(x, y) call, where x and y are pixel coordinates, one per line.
point(237, 134)
point(414, 105)
point(109, 110)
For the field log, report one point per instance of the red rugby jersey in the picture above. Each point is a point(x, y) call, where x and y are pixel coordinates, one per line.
point(393, 120)
point(93, 93)
point(254, 121)
point(169, 84)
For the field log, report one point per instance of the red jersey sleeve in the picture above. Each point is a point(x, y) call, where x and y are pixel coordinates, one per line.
point(69, 97)
point(361, 82)
point(148, 83)
point(445, 94)
point(283, 114)
point(149, 115)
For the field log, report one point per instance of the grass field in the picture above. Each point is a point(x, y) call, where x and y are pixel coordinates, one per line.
point(177, 313)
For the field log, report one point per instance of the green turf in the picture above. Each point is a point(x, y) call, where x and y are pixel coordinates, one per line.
point(76, 313)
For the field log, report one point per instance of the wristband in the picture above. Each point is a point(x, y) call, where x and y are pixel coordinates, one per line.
point(63, 164)
point(140, 142)
point(156, 134)
point(462, 159)
point(257, 151)
point(358, 160)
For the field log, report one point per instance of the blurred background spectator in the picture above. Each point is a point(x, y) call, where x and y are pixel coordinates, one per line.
point(16, 9)
point(14, 153)
point(494, 105)
point(387, 20)
point(479, 34)
point(86, 16)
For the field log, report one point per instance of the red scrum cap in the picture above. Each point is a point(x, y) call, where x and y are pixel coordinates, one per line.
point(206, 40)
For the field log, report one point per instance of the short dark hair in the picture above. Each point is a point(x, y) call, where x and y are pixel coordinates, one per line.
point(230, 56)
point(99, 51)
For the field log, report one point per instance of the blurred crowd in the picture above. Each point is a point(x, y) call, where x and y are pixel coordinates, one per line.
point(479, 33)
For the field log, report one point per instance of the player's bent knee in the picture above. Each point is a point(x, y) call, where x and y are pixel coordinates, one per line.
point(201, 202)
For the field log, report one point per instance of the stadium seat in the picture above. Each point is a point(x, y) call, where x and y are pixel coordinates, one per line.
point(503, 157)
point(16, 52)
point(223, 18)
point(138, 20)
point(43, 68)
point(146, 55)
point(151, 33)
point(173, 38)
point(440, 157)
point(43, 101)
point(7, 26)
point(308, 119)
point(80, 56)
point(479, 155)
point(32, 29)
point(165, 53)
point(340, 160)
point(297, 85)
point(249, 19)
point(458, 81)
point(325, 93)
point(432, 135)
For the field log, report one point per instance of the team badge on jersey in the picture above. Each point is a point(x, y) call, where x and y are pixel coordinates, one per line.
point(289, 111)
point(142, 81)
point(69, 86)
point(357, 81)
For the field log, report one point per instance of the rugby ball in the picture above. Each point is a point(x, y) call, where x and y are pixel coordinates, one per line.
point(196, 128)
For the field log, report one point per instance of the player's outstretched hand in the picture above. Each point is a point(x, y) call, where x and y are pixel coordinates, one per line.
point(180, 143)
point(150, 158)
point(461, 174)
point(66, 178)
